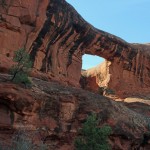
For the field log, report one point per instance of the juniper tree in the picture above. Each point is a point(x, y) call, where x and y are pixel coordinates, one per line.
point(92, 137)
point(20, 71)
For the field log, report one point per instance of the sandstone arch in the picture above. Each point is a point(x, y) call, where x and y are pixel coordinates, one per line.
point(57, 36)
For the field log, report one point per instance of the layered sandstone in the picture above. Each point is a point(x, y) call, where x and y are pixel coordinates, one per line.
point(56, 37)
point(95, 78)
point(53, 114)
point(111, 76)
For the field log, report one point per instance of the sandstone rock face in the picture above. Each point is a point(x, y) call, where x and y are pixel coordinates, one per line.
point(56, 36)
point(112, 76)
point(53, 113)
point(95, 78)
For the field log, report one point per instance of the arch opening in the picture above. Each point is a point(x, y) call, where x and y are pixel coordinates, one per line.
point(93, 73)
point(90, 61)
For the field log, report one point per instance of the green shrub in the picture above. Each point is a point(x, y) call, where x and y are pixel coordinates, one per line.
point(92, 137)
point(109, 91)
point(106, 91)
point(20, 71)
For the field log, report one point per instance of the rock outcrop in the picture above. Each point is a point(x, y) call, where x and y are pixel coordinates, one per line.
point(96, 78)
point(53, 113)
point(109, 75)
point(56, 36)
point(113, 75)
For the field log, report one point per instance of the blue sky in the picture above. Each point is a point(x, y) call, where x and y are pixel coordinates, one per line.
point(128, 19)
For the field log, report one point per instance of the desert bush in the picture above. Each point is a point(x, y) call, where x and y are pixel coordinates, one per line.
point(109, 91)
point(20, 71)
point(91, 137)
point(106, 91)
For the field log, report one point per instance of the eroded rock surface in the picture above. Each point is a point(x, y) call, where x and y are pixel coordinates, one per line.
point(109, 75)
point(53, 113)
point(96, 78)
point(56, 36)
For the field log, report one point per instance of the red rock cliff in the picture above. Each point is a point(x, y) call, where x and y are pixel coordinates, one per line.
point(56, 36)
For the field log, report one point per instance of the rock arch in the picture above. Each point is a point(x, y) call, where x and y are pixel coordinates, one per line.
point(56, 36)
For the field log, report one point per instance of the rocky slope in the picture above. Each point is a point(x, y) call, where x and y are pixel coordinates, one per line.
point(56, 36)
point(53, 113)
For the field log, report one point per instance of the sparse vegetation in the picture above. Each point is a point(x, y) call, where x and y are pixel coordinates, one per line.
point(109, 91)
point(20, 71)
point(106, 91)
point(101, 90)
point(92, 137)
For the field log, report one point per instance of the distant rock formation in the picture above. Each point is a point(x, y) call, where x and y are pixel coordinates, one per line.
point(95, 78)
point(56, 37)
point(109, 75)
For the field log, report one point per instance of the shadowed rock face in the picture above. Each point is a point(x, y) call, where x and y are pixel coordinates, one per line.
point(56, 36)
point(55, 119)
